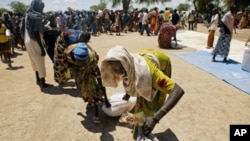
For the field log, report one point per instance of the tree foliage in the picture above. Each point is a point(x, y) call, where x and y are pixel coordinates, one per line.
point(2, 10)
point(240, 4)
point(100, 6)
point(204, 6)
point(183, 7)
point(18, 7)
point(126, 3)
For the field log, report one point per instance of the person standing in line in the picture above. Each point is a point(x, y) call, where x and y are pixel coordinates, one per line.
point(183, 20)
point(107, 21)
point(50, 35)
point(175, 17)
point(226, 32)
point(125, 21)
point(161, 21)
point(191, 20)
point(34, 41)
point(117, 23)
point(167, 13)
point(145, 21)
point(243, 21)
point(212, 28)
point(61, 21)
point(5, 50)
point(8, 21)
point(175, 20)
point(93, 23)
point(154, 21)
point(140, 16)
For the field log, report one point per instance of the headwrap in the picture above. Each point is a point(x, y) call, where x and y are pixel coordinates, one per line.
point(73, 36)
point(138, 81)
point(34, 19)
point(81, 52)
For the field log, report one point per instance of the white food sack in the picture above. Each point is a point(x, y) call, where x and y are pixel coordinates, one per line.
point(118, 105)
point(8, 33)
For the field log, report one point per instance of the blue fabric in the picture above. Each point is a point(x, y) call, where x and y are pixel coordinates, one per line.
point(34, 21)
point(73, 37)
point(34, 24)
point(81, 52)
point(230, 72)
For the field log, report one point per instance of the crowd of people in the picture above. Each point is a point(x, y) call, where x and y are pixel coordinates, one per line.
point(106, 21)
point(64, 36)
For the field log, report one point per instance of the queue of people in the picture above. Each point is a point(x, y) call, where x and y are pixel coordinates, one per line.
point(64, 39)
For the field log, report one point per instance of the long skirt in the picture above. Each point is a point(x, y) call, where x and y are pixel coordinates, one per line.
point(210, 39)
point(223, 45)
point(34, 52)
point(167, 31)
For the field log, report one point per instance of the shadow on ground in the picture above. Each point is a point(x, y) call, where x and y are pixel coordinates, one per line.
point(67, 88)
point(167, 135)
point(107, 125)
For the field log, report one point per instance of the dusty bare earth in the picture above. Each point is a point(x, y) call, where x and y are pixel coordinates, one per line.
point(204, 113)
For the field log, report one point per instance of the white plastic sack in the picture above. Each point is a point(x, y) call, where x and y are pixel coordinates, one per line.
point(8, 33)
point(118, 105)
point(246, 60)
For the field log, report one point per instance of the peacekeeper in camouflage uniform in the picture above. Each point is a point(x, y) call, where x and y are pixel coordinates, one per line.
point(82, 61)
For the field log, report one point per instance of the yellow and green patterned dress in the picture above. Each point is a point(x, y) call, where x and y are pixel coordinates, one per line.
point(161, 82)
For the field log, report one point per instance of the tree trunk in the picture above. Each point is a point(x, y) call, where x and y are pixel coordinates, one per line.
point(195, 6)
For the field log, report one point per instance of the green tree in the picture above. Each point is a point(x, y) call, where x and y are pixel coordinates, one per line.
point(126, 3)
point(240, 4)
point(70, 9)
point(18, 7)
point(183, 7)
point(100, 6)
point(205, 7)
point(220, 4)
point(2, 10)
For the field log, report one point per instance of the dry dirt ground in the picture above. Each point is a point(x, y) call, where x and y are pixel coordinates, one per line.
point(204, 113)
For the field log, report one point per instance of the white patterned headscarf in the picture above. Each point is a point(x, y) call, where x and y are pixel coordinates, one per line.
point(228, 20)
point(138, 81)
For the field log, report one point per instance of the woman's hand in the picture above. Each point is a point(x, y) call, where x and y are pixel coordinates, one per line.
point(126, 97)
point(149, 125)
